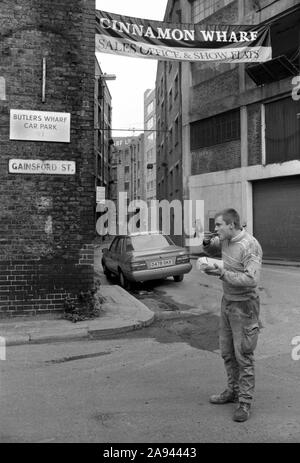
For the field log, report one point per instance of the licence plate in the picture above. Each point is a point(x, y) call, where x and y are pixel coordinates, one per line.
point(161, 263)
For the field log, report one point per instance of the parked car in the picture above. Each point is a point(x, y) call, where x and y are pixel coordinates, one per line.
point(145, 256)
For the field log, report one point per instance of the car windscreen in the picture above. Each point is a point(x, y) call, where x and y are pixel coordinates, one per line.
point(146, 242)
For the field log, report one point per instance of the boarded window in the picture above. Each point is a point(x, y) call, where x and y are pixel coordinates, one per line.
point(222, 128)
point(282, 131)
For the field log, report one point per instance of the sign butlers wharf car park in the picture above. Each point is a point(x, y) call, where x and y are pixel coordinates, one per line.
point(143, 38)
point(39, 126)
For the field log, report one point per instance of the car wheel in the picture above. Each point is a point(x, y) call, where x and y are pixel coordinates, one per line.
point(178, 278)
point(123, 280)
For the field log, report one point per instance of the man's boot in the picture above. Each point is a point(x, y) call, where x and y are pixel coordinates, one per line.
point(242, 413)
point(224, 398)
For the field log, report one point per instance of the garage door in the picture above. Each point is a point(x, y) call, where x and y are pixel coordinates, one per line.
point(276, 217)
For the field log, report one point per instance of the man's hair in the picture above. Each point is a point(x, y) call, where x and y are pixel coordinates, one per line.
point(230, 216)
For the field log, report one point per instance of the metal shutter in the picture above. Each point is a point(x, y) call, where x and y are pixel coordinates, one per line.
point(276, 217)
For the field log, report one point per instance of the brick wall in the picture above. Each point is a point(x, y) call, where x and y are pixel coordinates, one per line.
point(215, 158)
point(214, 91)
point(206, 96)
point(46, 221)
point(202, 72)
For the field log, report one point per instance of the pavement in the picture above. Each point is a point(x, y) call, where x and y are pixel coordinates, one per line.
point(120, 312)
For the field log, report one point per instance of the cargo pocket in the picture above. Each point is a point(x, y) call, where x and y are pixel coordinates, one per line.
point(250, 337)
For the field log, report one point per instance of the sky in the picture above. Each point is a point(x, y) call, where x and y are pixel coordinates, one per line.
point(133, 75)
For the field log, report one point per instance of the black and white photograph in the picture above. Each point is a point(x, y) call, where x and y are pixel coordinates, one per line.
point(149, 225)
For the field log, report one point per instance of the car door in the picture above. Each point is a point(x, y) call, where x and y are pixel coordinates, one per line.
point(111, 256)
point(119, 254)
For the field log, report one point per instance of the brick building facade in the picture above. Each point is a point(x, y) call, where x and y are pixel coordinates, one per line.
point(47, 222)
point(240, 125)
point(169, 148)
point(149, 192)
point(128, 167)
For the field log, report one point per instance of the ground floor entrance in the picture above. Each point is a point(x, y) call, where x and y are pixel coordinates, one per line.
point(276, 217)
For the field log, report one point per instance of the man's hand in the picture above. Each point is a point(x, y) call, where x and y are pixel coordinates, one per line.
point(208, 237)
point(214, 270)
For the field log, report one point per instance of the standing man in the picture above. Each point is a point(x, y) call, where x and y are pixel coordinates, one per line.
point(240, 324)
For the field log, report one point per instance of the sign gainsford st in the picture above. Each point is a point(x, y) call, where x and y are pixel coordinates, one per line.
point(39, 126)
point(36, 166)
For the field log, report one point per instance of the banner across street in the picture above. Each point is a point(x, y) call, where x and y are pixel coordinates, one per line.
point(143, 38)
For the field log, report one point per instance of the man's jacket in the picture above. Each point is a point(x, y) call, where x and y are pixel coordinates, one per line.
point(242, 258)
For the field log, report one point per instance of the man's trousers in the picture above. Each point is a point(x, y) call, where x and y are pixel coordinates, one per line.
point(239, 328)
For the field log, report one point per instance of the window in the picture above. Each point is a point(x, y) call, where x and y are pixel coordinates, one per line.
point(263, 4)
point(127, 168)
point(176, 85)
point(152, 241)
point(150, 107)
point(171, 140)
point(201, 9)
point(176, 131)
point(158, 123)
point(170, 99)
point(157, 97)
point(177, 179)
point(162, 152)
point(114, 244)
point(128, 245)
point(119, 245)
point(114, 173)
point(149, 123)
point(218, 129)
point(171, 182)
point(126, 186)
point(282, 131)
point(162, 111)
point(179, 16)
point(158, 156)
